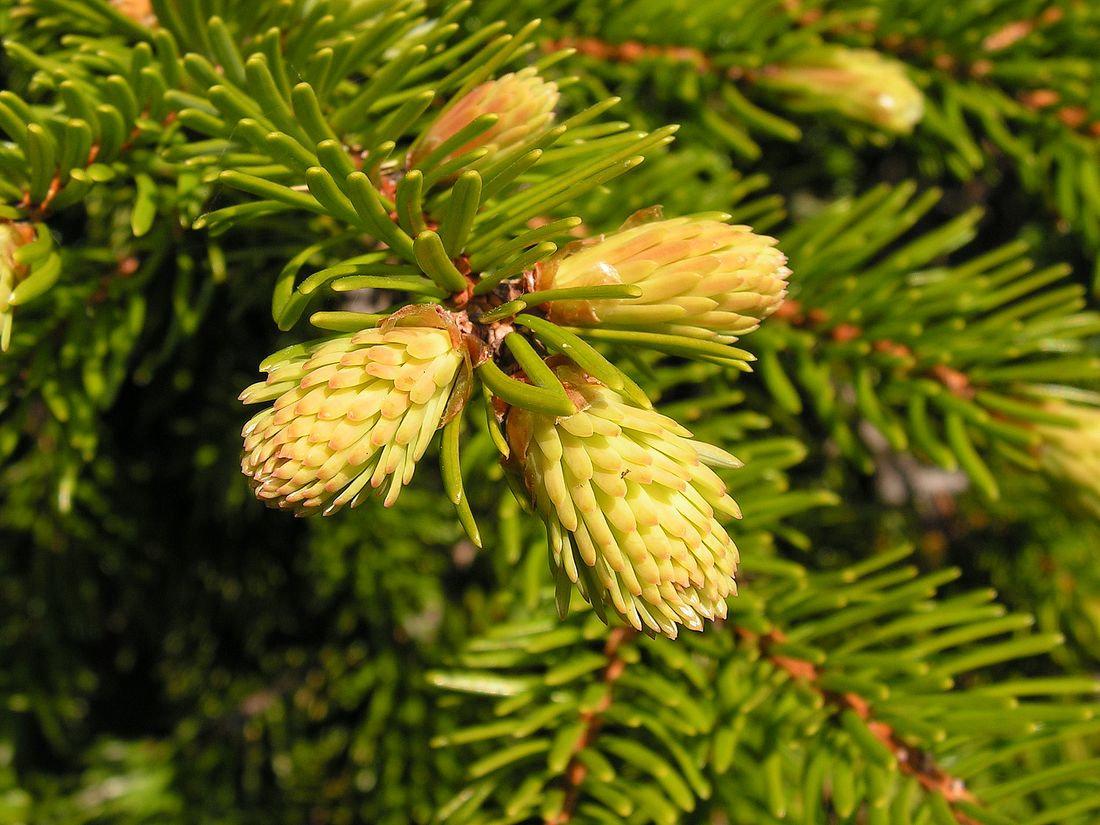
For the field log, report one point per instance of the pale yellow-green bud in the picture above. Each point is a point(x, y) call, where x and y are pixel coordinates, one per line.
point(631, 510)
point(350, 414)
point(858, 83)
point(1072, 453)
point(699, 277)
point(523, 103)
point(12, 236)
point(140, 11)
point(9, 242)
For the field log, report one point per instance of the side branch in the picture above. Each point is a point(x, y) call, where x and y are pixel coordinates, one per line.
point(576, 771)
point(912, 761)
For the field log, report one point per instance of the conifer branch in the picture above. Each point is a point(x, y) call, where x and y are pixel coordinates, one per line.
point(911, 760)
point(507, 264)
point(576, 771)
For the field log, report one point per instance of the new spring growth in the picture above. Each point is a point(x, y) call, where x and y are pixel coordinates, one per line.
point(522, 101)
point(12, 236)
point(140, 11)
point(699, 277)
point(858, 83)
point(631, 510)
point(1071, 453)
point(351, 414)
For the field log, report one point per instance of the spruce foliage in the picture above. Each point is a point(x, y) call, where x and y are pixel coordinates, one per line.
point(903, 196)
